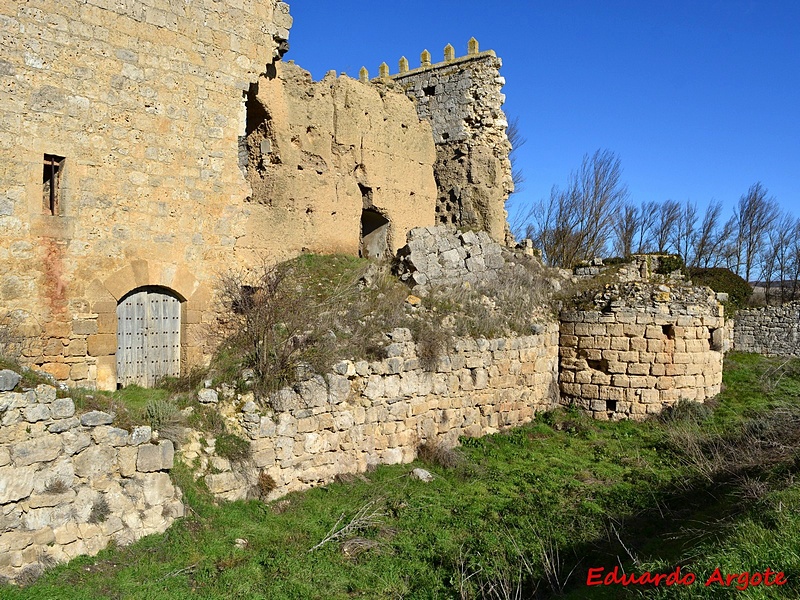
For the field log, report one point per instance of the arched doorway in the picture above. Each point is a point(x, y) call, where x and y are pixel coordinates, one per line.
point(148, 336)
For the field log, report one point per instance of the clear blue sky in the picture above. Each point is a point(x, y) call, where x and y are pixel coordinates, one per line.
point(698, 98)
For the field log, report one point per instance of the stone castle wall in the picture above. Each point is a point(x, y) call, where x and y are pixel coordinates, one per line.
point(321, 153)
point(771, 330)
point(70, 484)
point(177, 161)
point(369, 413)
point(642, 347)
point(461, 98)
point(145, 102)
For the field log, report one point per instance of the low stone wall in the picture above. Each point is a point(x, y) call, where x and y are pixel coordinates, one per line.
point(771, 330)
point(368, 413)
point(70, 484)
point(641, 349)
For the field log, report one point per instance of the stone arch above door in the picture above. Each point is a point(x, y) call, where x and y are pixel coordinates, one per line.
point(148, 336)
point(106, 293)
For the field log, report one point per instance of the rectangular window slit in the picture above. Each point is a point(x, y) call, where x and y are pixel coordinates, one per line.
point(52, 171)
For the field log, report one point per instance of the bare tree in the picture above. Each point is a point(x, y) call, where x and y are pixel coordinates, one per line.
point(517, 140)
point(667, 216)
point(683, 232)
point(625, 228)
point(711, 237)
point(577, 223)
point(648, 216)
point(779, 257)
point(753, 217)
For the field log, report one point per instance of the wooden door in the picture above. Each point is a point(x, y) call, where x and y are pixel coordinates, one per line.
point(148, 337)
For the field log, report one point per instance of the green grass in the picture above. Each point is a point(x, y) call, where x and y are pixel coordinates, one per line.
point(699, 489)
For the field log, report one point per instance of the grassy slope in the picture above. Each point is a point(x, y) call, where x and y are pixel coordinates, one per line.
point(563, 491)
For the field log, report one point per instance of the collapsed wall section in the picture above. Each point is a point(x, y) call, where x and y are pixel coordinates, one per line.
point(335, 166)
point(641, 347)
point(771, 330)
point(462, 100)
point(70, 483)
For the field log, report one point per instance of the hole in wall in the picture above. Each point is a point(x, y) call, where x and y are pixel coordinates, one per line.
point(611, 405)
point(668, 331)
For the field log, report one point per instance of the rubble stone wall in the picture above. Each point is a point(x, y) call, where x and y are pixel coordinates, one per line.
point(320, 153)
point(441, 256)
point(461, 98)
point(771, 330)
point(369, 413)
point(643, 349)
point(70, 484)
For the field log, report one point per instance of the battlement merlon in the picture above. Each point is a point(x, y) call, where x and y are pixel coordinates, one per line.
point(450, 60)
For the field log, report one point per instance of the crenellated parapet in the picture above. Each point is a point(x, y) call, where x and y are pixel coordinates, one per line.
point(462, 99)
point(450, 59)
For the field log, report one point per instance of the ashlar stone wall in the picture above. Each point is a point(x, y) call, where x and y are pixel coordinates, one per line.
point(640, 347)
point(367, 413)
point(461, 98)
point(145, 104)
point(771, 330)
point(70, 483)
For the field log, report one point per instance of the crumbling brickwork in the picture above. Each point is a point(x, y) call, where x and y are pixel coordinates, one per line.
point(462, 99)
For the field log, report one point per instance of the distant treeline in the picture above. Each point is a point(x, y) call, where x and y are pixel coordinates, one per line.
point(593, 216)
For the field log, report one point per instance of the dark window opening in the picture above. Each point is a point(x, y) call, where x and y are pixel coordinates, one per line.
point(429, 90)
point(374, 235)
point(598, 365)
point(245, 300)
point(52, 172)
point(669, 331)
point(716, 338)
point(611, 405)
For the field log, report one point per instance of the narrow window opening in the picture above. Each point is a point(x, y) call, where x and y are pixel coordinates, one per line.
point(51, 183)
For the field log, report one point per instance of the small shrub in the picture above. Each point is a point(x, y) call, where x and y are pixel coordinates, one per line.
point(232, 447)
point(100, 511)
point(266, 484)
point(56, 486)
point(208, 420)
point(724, 280)
point(160, 413)
point(438, 454)
point(686, 411)
point(433, 342)
point(670, 263)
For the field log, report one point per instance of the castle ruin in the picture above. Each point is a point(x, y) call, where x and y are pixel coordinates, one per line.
point(148, 147)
